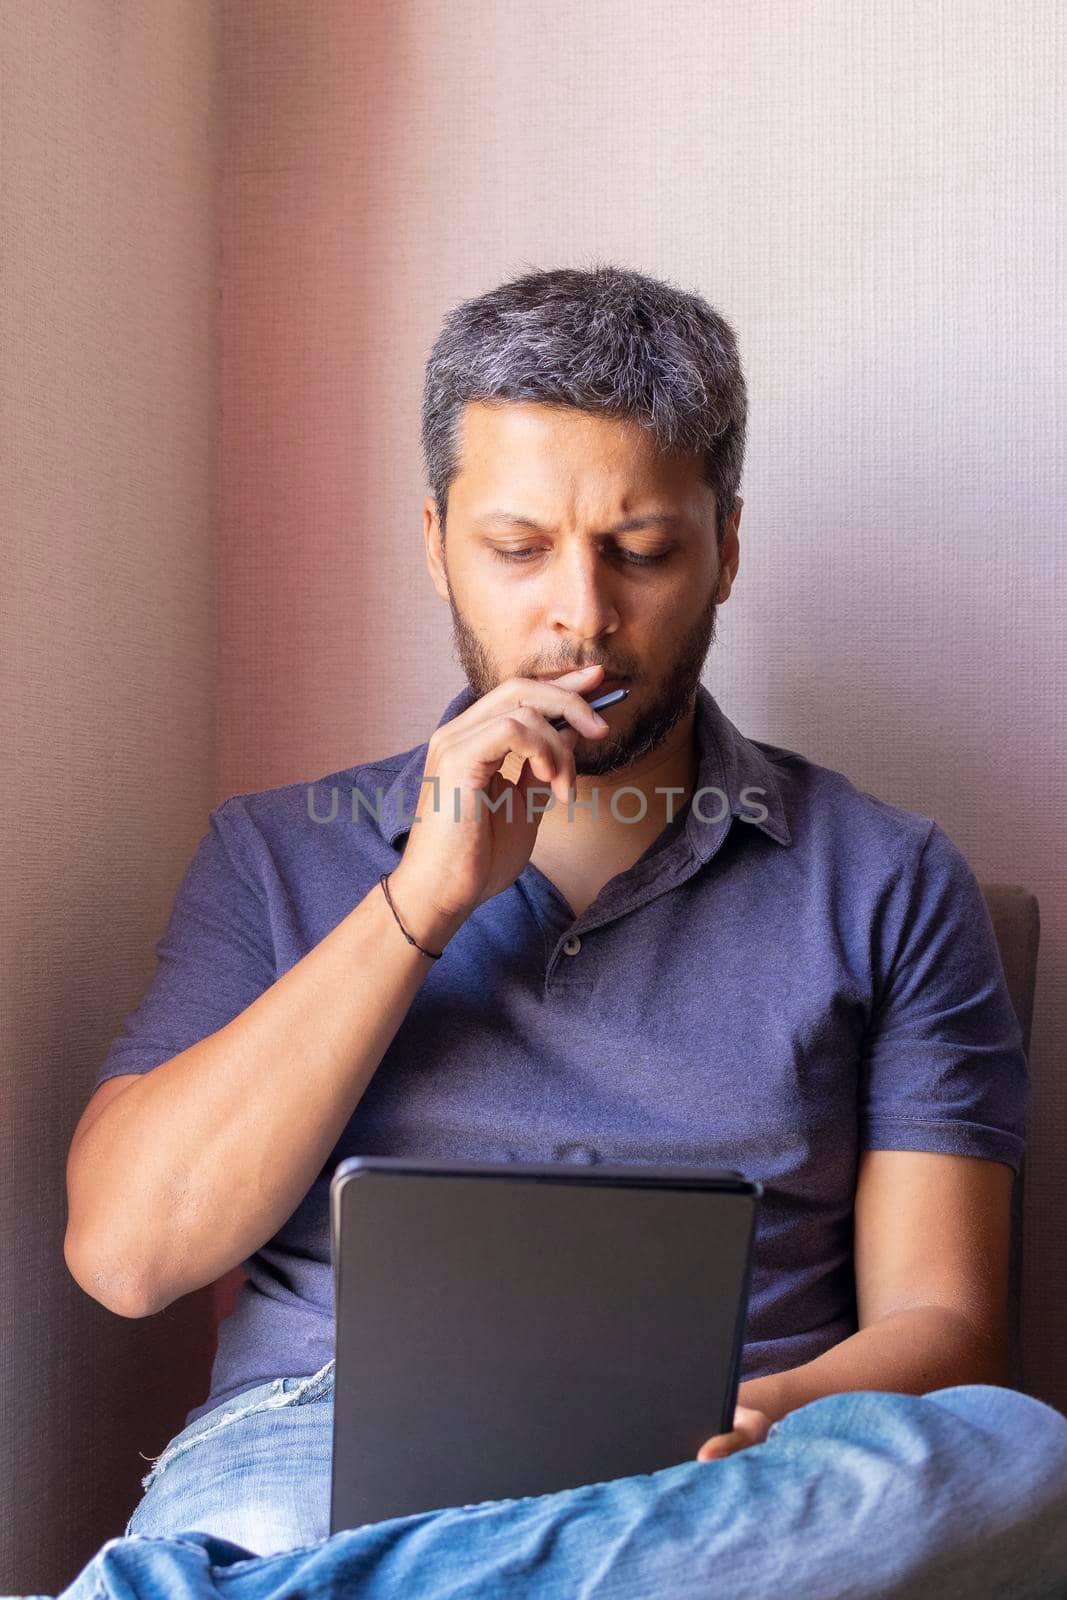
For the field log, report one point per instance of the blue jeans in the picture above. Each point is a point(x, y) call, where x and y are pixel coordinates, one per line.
point(959, 1492)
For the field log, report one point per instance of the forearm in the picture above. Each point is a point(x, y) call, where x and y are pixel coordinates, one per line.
point(192, 1168)
point(909, 1352)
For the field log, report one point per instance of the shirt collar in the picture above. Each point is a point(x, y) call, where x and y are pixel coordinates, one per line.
point(728, 764)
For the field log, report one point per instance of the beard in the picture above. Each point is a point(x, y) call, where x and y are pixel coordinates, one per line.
point(668, 700)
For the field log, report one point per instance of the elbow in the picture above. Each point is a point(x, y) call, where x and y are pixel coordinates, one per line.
point(987, 1352)
point(115, 1287)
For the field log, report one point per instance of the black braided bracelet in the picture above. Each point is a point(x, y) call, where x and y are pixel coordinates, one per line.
point(434, 955)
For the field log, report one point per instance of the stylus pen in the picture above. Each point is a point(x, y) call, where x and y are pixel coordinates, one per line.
point(608, 699)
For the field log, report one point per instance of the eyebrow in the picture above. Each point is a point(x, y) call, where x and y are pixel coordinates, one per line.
point(656, 519)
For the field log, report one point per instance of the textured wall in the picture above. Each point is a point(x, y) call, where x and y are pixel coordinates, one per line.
point(868, 192)
point(109, 402)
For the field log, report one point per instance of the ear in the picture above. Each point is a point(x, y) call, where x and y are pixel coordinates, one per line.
point(435, 556)
point(730, 554)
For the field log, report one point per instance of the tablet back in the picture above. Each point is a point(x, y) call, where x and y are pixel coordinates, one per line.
point(513, 1329)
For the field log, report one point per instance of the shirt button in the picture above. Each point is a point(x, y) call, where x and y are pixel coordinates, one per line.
point(585, 1155)
point(572, 945)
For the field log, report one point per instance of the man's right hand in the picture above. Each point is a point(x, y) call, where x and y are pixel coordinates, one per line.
point(449, 866)
point(197, 1128)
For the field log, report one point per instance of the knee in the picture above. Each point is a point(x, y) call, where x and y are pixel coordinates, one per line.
point(1025, 1437)
point(972, 1479)
point(978, 1442)
point(1030, 1428)
point(1016, 1448)
point(262, 1529)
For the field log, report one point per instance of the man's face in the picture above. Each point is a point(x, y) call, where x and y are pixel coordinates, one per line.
point(531, 601)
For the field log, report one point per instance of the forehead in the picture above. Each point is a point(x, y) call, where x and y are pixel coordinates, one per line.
point(518, 448)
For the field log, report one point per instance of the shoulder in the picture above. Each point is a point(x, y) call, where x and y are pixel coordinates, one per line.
point(892, 872)
point(830, 813)
point(288, 819)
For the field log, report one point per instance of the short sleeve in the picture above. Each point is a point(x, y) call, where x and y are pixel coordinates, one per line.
point(215, 957)
point(943, 1065)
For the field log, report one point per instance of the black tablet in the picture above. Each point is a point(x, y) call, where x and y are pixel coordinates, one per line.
point(511, 1329)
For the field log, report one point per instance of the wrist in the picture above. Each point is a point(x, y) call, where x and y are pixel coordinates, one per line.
point(429, 926)
point(769, 1394)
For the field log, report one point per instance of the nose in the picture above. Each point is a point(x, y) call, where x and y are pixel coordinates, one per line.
point(581, 602)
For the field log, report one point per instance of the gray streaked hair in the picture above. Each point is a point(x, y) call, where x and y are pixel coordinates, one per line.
point(601, 338)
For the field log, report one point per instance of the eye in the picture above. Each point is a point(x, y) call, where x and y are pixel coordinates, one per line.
point(644, 561)
point(629, 556)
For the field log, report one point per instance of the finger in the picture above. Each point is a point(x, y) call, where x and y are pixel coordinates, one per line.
point(558, 744)
point(552, 697)
point(721, 1444)
point(756, 1424)
point(480, 751)
point(521, 731)
point(575, 712)
point(750, 1427)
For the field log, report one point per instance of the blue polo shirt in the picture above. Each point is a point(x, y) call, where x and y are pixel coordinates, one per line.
point(793, 971)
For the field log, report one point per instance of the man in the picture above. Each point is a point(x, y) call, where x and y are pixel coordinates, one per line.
point(641, 938)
